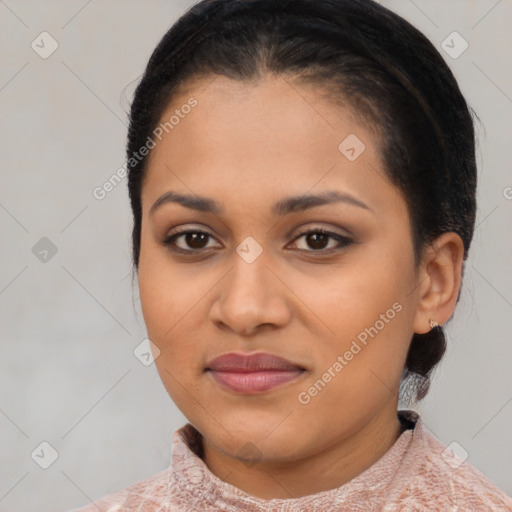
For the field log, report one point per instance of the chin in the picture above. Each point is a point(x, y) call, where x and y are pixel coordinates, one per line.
point(253, 436)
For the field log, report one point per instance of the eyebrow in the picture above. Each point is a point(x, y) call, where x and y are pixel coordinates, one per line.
point(283, 207)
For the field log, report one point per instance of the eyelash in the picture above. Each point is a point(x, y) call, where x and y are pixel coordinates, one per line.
point(343, 241)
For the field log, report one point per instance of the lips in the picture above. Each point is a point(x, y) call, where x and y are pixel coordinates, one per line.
point(255, 373)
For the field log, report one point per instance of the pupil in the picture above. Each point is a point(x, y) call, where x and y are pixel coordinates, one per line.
point(194, 239)
point(315, 238)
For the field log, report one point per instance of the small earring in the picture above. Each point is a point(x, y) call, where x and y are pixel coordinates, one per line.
point(433, 324)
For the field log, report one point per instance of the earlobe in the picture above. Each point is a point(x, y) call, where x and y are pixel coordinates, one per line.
point(439, 282)
point(433, 323)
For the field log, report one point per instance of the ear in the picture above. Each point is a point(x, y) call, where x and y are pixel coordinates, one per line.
point(439, 281)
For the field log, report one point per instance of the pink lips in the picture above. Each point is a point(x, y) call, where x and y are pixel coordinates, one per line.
point(255, 373)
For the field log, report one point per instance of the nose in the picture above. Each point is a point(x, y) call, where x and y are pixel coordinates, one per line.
point(251, 299)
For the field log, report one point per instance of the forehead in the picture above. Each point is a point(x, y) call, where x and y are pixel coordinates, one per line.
point(234, 117)
point(265, 139)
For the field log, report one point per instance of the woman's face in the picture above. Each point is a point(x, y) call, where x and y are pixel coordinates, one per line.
point(270, 162)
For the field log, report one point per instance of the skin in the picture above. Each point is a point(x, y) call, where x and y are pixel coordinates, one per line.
point(247, 146)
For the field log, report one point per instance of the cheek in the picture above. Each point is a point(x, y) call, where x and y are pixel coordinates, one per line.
point(162, 304)
point(368, 309)
point(158, 300)
point(168, 309)
point(358, 368)
point(353, 295)
point(167, 291)
point(174, 302)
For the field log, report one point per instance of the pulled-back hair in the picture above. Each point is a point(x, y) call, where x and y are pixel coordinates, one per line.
point(366, 58)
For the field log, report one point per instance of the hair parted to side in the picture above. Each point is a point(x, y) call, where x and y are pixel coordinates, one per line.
point(365, 57)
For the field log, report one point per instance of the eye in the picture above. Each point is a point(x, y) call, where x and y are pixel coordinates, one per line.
point(318, 239)
point(195, 241)
point(191, 241)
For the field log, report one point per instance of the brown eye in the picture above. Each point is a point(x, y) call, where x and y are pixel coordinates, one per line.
point(196, 240)
point(188, 241)
point(317, 240)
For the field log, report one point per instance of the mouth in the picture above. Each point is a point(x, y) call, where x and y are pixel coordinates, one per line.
point(254, 373)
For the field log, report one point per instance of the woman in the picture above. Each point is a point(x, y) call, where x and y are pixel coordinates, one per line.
point(302, 178)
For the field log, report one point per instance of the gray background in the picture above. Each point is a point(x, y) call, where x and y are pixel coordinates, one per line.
point(69, 325)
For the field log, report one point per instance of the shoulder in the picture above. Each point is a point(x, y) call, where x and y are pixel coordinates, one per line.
point(439, 477)
point(151, 492)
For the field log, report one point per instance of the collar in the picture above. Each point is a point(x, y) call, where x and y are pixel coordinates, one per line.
point(200, 485)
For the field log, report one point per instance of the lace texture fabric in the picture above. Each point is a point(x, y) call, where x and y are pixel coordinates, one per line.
point(418, 473)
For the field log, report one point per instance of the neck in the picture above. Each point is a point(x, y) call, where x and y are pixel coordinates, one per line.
point(336, 465)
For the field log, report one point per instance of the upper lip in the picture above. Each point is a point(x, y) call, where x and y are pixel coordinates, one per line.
point(246, 363)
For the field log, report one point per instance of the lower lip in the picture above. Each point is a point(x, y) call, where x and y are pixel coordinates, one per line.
point(254, 382)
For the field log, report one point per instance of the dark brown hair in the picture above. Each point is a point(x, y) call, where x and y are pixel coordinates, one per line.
point(365, 56)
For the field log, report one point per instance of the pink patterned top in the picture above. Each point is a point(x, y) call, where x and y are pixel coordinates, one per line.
point(418, 473)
